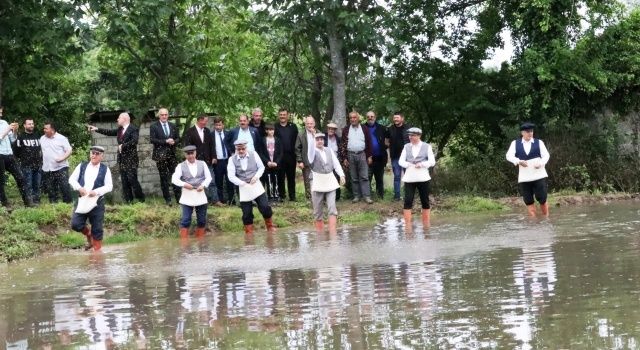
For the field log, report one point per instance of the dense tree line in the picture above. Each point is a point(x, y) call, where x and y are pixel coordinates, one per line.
point(574, 71)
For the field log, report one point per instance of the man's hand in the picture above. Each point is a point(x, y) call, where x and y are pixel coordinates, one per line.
point(345, 163)
point(272, 164)
point(119, 148)
point(523, 163)
point(93, 193)
point(253, 180)
point(538, 166)
point(188, 186)
point(170, 141)
point(92, 127)
point(200, 188)
point(82, 192)
point(369, 160)
point(342, 180)
point(14, 126)
point(214, 161)
point(417, 165)
point(301, 165)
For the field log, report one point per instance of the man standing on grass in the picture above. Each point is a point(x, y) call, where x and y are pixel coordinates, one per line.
point(92, 180)
point(29, 155)
point(8, 162)
point(56, 151)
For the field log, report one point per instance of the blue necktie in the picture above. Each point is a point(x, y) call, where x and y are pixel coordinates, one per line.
point(166, 129)
point(224, 149)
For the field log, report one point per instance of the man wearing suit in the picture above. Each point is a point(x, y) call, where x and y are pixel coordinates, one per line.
point(378, 152)
point(200, 136)
point(245, 132)
point(164, 137)
point(127, 135)
point(305, 143)
point(220, 159)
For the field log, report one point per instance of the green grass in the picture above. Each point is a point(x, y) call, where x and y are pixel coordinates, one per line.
point(71, 240)
point(472, 204)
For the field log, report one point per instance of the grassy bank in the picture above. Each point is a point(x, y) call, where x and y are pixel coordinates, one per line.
point(26, 232)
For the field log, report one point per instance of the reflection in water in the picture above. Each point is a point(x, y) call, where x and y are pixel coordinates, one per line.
point(497, 283)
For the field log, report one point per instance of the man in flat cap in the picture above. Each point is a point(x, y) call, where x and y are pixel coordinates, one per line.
point(92, 180)
point(193, 176)
point(244, 170)
point(323, 162)
point(530, 155)
point(416, 158)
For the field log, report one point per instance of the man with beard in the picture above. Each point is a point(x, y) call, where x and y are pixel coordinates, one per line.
point(29, 155)
point(8, 162)
point(396, 138)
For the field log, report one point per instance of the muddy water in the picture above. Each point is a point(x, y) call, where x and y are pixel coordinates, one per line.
point(483, 281)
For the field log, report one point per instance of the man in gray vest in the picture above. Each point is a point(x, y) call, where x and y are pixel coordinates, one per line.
point(324, 184)
point(91, 179)
point(193, 176)
point(244, 170)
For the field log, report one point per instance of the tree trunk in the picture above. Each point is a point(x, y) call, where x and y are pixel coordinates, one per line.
point(337, 76)
point(316, 86)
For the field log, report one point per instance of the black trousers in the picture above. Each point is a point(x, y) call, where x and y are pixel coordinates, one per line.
point(410, 191)
point(376, 170)
point(222, 180)
point(130, 185)
point(9, 165)
point(536, 188)
point(287, 168)
point(263, 207)
point(58, 181)
point(166, 167)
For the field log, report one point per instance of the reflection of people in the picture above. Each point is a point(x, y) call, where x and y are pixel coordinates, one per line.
point(127, 137)
point(91, 179)
point(323, 187)
point(530, 155)
point(244, 170)
point(416, 158)
point(193, 177)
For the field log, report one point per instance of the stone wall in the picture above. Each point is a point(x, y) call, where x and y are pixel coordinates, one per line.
point(147, 171)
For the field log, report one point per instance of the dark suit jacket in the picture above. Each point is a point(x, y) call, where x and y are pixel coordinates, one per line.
point(345, 141)
point(204, 150)
point(380, 134)
point(258, 142)
point(277, 153)
point(161, 149)
point(128, 157)
point(302, 148)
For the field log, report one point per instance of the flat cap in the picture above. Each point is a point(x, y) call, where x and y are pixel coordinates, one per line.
point(189, 148)
point(527, 126)
point(97, 149)
point(239, 142)
point(415, 131)
point(332, 125)
point(319, 134)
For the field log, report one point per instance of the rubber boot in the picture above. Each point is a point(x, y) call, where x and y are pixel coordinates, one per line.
point(426, 218)
point(545, 209)
point(333, 224)
point(408, 224)
point(87, 233)
point(248, 229)
point(97, 245)
point(319, 225)
point(184, 232)
point(199, 232)
point(269, 224)
point(531, 209)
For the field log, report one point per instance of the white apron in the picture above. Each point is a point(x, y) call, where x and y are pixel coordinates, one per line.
point(86, 204)
point(324, 182)
point(193, 198)
point(530, 173)
point(250, 192)
point(413, 174)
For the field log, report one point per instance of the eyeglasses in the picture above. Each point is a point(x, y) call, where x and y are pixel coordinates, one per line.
point(96, 153)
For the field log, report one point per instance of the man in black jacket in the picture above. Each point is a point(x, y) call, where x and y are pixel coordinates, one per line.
point(164, 137)
point(200, 136)
point(127, 135)
point(378, 152)
point(29, 155)
point(396, 138)
point(287, 133)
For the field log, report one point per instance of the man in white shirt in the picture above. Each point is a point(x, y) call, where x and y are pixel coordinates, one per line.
point(56, 151)
point(530, 155)
point(91, 179)
point(323, 162)
point(193, 176)
point(244, 170)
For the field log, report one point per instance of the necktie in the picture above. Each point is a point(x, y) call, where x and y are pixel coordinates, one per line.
point(166, 129)
point(224, 149)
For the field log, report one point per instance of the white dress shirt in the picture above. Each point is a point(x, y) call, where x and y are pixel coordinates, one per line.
point(231, 168)
point(323, 155)
point(200, 133)
point(193, 169)
point(245, 134)
point(90, 176)
point(530, 172)
point(415, 150)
